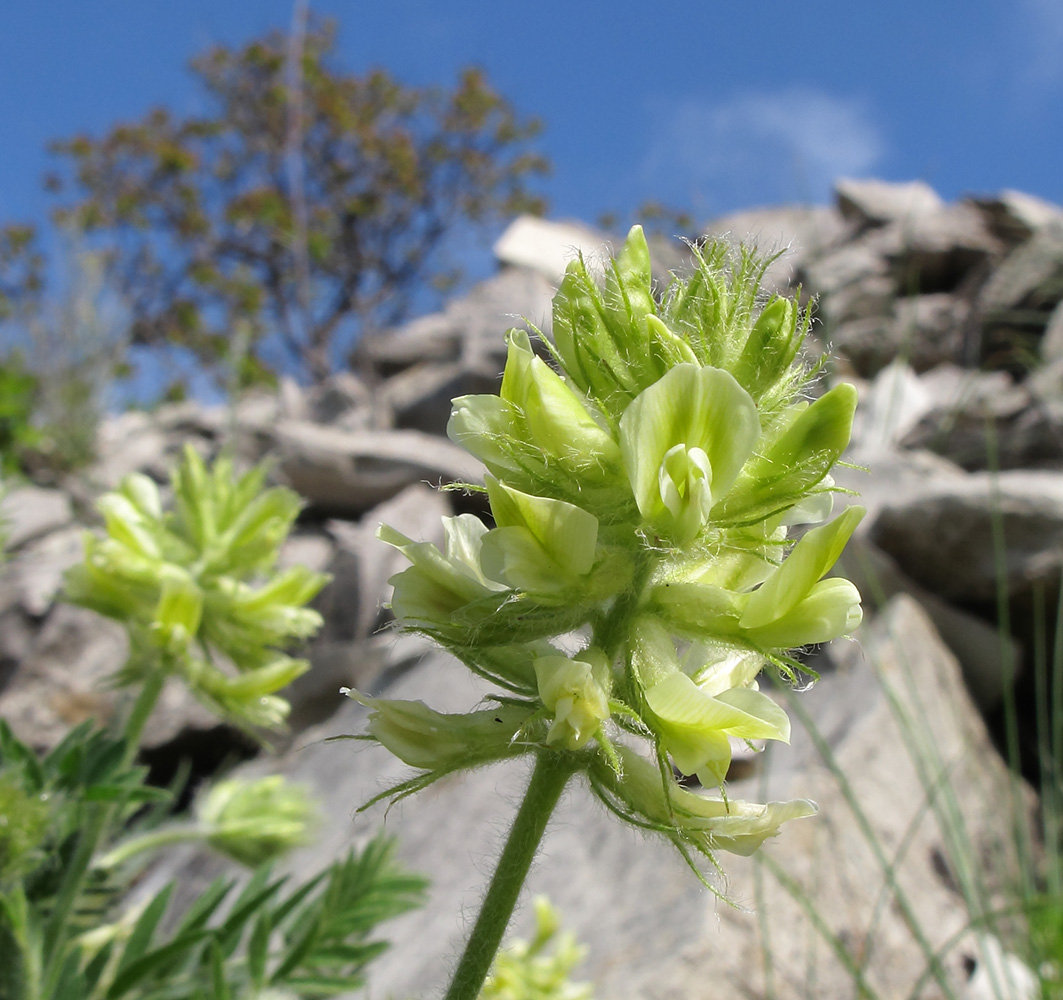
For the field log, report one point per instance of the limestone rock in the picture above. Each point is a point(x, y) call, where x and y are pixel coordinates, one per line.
point(315, 696)
point(924, 331)
point(903, 288)
point(311, 549)
point(796, 233)
point(1052, 340)
point(979, 647)
point(882, 477)
point(27, 512)
point(875, 203)
point(362, 563)
point(469, 327)
point(890, 406)
point(871, 296)
point(348, 472)
point(420, 398)
point(190, 419)
point(546, 247)
point(852, 264)
point(257, 410)
point(291, 399)
point(61, 680)
point(1015, 216)
point(34, 576)
point(344, 401)
point(935, 251)
point(128, 442)
point(1029, 277)
point(944, 538)
point(1027, 430)
point(1018, 298)
point(931, 329)
point(17, 632)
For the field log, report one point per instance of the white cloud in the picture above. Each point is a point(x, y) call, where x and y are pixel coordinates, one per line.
point(758, 148)
point(1042, 28)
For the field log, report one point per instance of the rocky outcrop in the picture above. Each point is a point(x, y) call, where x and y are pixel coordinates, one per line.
point(949, 320)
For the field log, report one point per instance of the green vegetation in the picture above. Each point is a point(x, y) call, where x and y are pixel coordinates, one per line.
point(18, 435)
point(538, 969)
point(202, 602)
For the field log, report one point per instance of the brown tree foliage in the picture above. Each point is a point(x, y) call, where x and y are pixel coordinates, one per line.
point(304, 210)
point(21, 270)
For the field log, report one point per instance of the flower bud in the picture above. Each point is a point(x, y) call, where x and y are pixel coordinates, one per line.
point(179, 611)
point(249, 698)
point(807, 441)
point(276, 608)
point(433, 741)
point(253, 538)
point(769, 351)
point(128, 526)
point(255, 821)
point(668, 349)
point(576, 692)
point(142, 492)
point(629, 286)
point(593, 352)
point(558, 423)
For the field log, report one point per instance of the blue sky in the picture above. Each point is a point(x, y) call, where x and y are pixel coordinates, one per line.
point(710, 105)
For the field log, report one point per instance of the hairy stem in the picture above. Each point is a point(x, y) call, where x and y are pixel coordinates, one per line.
point(551, 773)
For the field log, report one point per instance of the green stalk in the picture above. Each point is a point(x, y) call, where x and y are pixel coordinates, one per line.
point(150, 842)
point(93, 833)
point(1020, 825)
point(548, 780)
point(141, 711)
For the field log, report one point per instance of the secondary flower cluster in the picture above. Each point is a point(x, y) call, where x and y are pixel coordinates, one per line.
point(643, 488)
point(197, 587)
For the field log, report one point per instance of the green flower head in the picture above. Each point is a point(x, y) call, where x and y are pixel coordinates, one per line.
point(197, 588)
point(651, 470)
